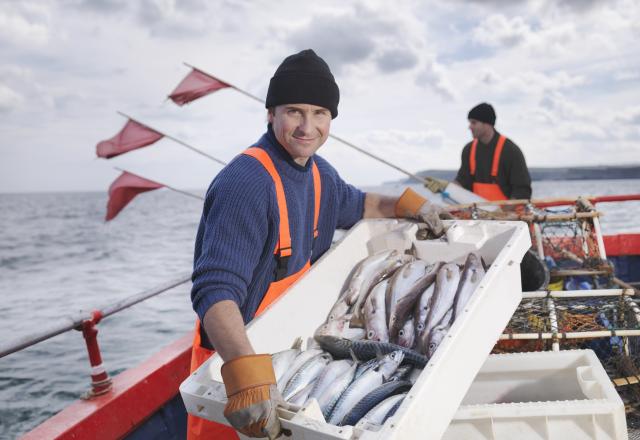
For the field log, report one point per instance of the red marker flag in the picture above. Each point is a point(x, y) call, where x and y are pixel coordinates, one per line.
point(124, 189)
point(132, 136)
point(196, 85)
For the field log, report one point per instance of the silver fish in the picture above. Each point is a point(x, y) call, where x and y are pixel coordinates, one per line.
point(330, 373)
point(472, 274)
point(372, 274)
point(306, 374)
point(407, 286)
point(421, 310)
point(283, 359)
point(407, 334)
point(331, 395)
point(375, 320)
point(301, 396)
point(443, 298)
point(377, 414)
point(339, 309)
point(437, 335)
point(364, 384)
point(364, 271)
point(414, 375)
point(364, 366)
point(340, 328)
point(297, 363)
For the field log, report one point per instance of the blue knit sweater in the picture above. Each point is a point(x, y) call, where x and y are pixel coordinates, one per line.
point(238, 231)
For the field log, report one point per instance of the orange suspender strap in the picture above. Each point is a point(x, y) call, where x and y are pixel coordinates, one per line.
point(496, 156)
point(283, 247)
point(317, 192)
point(472, 157)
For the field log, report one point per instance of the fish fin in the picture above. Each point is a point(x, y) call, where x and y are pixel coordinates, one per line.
point(379, 354)
point(297, 343)
point(356, 321)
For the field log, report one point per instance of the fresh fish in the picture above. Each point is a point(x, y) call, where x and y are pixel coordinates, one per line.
point(472, 274)
point(330, 396)
point(373, 398)
point(330, 373)
point(339, 309)
point(375, 319)
point(364, 366)
point(340, 327)
point(443, 298)
point(414, 375)
point(301, 396)
point(437, 335)
point(306, 374)
point(342, 348)
point(421, 310)
point(297, 363)
point(365, 272)
point(407, 285)
point(283, 359)
point(378, 413)
point(371, 274)
point(393, 409)
point(407, 334)
point(360, 387)
point(401, 373)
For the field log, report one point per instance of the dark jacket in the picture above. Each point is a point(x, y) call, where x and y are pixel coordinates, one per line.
point(513, 175)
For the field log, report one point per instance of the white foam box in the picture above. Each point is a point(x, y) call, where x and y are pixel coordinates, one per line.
point(563, 395)
point(436, 395)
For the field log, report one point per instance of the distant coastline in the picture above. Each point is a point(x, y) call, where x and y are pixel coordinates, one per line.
point(605, 172)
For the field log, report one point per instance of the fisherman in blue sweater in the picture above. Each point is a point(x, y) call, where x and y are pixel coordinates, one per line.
point(267, 217)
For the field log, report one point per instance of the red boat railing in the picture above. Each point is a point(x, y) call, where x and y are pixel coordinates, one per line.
point(87, 324)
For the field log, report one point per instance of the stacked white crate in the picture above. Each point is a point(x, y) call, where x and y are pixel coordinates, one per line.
point(564, 395)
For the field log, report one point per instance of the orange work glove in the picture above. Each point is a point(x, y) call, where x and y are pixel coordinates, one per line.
point(412, 205)
point(252, 395)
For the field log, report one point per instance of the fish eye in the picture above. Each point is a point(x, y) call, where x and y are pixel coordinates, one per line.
point(370, 334)
point(420, 326)
point(401, 333)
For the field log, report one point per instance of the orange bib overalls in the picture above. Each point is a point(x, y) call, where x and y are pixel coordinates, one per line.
point(201, 429)
point(490, 191)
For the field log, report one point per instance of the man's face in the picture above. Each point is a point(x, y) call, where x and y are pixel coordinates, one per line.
point(478, 129)
point(301, 129)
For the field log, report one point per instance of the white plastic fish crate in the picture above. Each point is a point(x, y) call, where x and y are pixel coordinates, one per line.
point(563, 395)
point(436, 395)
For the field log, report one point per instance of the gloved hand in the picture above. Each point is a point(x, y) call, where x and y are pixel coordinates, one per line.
point(253, 396)
point(435, 185)
point(412, 205)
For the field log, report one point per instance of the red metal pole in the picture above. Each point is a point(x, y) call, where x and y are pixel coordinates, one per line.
point(100, 380)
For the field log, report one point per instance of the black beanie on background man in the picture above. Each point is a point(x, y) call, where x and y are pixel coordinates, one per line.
point(304, 78)
point(483, 113)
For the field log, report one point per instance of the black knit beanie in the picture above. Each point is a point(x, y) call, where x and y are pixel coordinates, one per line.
point(483, 113)
point(304, 78)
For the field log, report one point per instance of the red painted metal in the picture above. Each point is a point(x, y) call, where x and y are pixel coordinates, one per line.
point(137, 394)
point(622, 244)
point(618, 198)
point(592, 199)
point(100, 380)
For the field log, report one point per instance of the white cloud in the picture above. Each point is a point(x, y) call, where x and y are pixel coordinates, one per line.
point(9, 99)
point(23, 24)
point(500, 31)
point(434, 76)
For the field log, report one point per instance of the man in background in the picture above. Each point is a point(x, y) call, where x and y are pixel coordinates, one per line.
point(492, 166)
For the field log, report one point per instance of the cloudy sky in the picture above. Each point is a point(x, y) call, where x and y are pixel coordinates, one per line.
point(564, 77)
